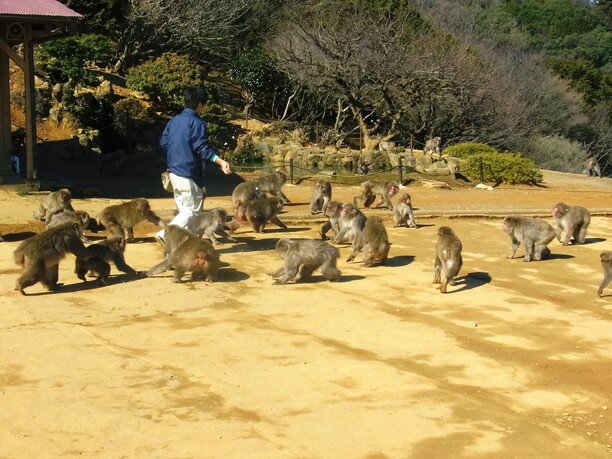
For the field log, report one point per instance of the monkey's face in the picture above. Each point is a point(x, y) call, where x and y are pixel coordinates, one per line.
point(347, 211)
point(507, 225)
point(393, 189)
point(559, 211)
point(331, 210)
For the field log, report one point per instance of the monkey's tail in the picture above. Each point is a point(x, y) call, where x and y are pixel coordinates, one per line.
point(19, 257)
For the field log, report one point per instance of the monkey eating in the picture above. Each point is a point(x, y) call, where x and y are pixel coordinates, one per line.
point(373, 242)
point(40, 255)
point(535, 234)
point(121, 218)
point(101, 254)
point(402, 212)
point(185, 252)
point(302, 257)
point(54, 202)
point(606, 264)
point(321, 195)
point(371, 189)
point(210, 222)
point(448, 258)
point(574, 220)
point(258, 212)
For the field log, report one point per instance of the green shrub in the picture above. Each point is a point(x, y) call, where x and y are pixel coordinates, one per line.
point(126, 112)
point(246, 154)
point(501, 168)
point(463, 150)
point(165, 78)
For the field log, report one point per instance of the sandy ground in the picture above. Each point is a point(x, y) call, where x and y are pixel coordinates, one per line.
point(515, 361)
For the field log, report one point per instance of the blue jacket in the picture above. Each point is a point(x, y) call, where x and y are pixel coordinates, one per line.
point(185, 141)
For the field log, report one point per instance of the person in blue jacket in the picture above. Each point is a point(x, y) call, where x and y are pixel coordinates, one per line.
point(185, 142)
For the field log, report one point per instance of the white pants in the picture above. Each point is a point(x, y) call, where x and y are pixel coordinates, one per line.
point(189, 199)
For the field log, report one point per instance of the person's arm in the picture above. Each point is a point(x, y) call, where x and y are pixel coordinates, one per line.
point(205, 151)
point(163, 142)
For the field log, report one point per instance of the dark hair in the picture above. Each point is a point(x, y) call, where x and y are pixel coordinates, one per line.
point(194, 96)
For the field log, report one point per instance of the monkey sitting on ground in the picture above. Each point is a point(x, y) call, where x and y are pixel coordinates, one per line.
point(302, 257)
point(210, 222)
point(591, 167)
point(535, 234)
point(606, 264)
point(352, 222)
point(373, 242)
point(402, 212)
point(432, 145)
point(272, 183)
point(102, 253)
point(321, 195)
point(332, 212)
point(370, 189)
point(121, 218)
point(246, 191)
point(40, 255)
point(258, 212)
point(448, 258)
point(54, 202)
point(574, 220)
point(187, 253)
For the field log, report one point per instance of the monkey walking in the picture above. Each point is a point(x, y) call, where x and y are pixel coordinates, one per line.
point(40, 255)
point(606, 264)
point(258, 212)
point(121, 218)
point(448, 258)
point(302, 257)
point(211, 222)
point(373, 242)
point(371, 189)
point(402, 212)
point(272, 183)
point(244, 192)
point(102, 253)
point(533, 233)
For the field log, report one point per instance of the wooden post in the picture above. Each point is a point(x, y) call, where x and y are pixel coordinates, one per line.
point(400, 166)
point(317, 133)
point(30, 101)
point(291, 171)
point(481, 169)
point(411, 143)
point(5, 111)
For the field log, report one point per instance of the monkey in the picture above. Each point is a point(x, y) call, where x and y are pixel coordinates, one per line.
point(402, 212)
point(385, 145)
point(102, 253)
point(453, 168)
point(370, 189)
point(535, 234)
point(374, 243)
point(121, 218)
point(246, 191)
point(332, 212)
point(53, 202)
point(302, 257)
point(574, 220)
point(433, 145)
point(321, 195)
point(272, 183)
point(606, 264)
point(258, 212)
point(591, 167)
point(185, 252)
point(352, 222)
point(111, 162)
point(210, 222)
point(80, 217)
point(40, 255)
point(448, 258)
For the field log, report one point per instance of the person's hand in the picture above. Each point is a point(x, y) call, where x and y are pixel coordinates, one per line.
point(225, 167)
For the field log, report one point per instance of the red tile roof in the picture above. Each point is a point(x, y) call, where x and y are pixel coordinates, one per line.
point(36, 8)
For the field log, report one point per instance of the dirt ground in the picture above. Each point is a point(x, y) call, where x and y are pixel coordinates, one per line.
point(515, 361)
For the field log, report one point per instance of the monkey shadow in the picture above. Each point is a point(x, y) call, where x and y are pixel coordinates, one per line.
point(559, 256)
point(594, 240)
point(420, 225)
point(228, 274)
point(317, 278)
point(292, 229)
point(400, 260)
point(15, 237)
point(90, 285)
point(250, 244)
point(348, 278)
point(472, 280)
point(138, 240)
point(294, 204)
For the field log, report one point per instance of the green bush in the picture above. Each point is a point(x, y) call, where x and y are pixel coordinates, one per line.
point(501, 168)
point(463, 150)
point(165, 78)
point(557, 153)
point(246, 154)
point(65, 58)
point(126, 112)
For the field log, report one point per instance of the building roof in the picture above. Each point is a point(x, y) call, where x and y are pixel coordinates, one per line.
point(51, 9)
